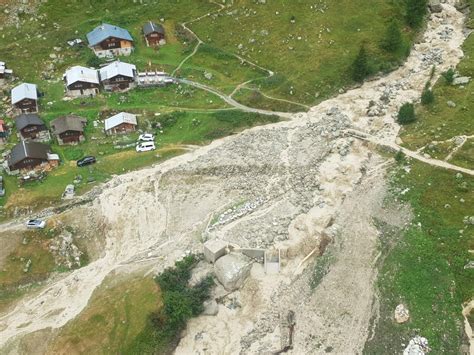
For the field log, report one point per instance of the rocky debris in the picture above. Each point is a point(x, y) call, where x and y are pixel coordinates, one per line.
point(451, 104)
point(232, 269)
point(237, 212)
point(469, 265)
point(214, 249)
point(461, 80)
point(435, 6)
point(402, 314)
point(417, 346)
point(208, 75)
point(68, 192)
point(27, 266)
point(211, 308)
point(468, 220)
point(65, 251)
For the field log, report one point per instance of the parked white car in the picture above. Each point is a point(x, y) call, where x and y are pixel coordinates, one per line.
point(146, 137)
point(145, 147)
point(35, 224)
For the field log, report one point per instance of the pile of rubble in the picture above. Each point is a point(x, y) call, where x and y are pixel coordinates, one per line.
point(417, 346)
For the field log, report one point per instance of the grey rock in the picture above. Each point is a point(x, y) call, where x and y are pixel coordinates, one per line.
point(231, 270)
point(461, 80)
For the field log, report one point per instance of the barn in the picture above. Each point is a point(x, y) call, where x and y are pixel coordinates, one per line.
point(118, 76)
point(69, 129)
point(154, 34)
point(25, 97)
point(81, 82)
point(108, 41)
point(121, 123)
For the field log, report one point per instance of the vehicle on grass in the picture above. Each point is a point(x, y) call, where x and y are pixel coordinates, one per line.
point(35, 224)
point(145, 147)
point(86, 161)
point(146, 137)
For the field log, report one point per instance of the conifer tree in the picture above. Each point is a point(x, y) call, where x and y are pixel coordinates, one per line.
point(360, 67)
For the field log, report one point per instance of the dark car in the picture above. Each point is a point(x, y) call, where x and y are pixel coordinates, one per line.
point(86, 161)
point(2, 189)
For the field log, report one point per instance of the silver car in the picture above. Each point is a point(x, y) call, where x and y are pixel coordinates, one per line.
point(35, 224)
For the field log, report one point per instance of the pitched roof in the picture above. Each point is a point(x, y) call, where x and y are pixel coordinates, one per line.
point(117, 68)
point(122, 117)
point(105, 31)
point(83, 74)
point(24, 91)
point(68, 123)
point(151, 27)
point(26, 119)
point(28, 150)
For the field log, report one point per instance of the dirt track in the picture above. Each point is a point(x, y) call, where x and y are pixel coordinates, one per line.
point(299, 174)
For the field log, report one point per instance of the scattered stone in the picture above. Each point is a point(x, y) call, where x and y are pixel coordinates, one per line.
point(417, 346)
point(461, 80)
point(451, 104)
point(402, 314)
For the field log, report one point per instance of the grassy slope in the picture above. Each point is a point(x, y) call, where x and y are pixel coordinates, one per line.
point(319, 61)
point(425, 270)
point(113, 319)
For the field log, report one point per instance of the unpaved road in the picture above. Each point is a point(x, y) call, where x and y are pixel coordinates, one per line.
point(298, 173)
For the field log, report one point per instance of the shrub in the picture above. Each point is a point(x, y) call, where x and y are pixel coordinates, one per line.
point(427, 97)
point(406, 114)
point(393, 39)
point(360, 67)
point(449, 76)
point(94, 62)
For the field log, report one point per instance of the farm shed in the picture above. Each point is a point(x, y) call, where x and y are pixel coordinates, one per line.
point(108, 41)
point(81, 82)
point(118, 76)
point(25, 97)
point(154, 34)
point(31, 127)
point(69, 129)
point(122, 122)
point(31, 155)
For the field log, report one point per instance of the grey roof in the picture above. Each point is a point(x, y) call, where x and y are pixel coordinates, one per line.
point(26, 119)
point(105, 31)
point(117, 68)
point(68, 123)
point(151, 27)
point(122, 117)
point(24, 91)
point(28, 150)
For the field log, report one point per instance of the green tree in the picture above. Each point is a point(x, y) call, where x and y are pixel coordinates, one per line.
point(406, 114)
point(393, 37)
point(449, 76)
point(415, 12)
point(360, 67)
point(427, 96)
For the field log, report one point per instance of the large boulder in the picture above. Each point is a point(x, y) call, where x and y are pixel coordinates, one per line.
point(402, 314)
point(232, 270)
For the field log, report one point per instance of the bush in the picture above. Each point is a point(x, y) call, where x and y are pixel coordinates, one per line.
point(406, 114)
point(449, 76)
point(427, 97)
point(94, 62)
point(360, 67)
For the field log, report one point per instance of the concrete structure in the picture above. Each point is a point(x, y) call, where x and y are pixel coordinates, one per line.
point(108, 41)
point(149, 79)
point(118, 76)
point(81, 82)
point(272, 261)
point(214, 249)
point(4, 72)
point(122, 122)
point(25, 97)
